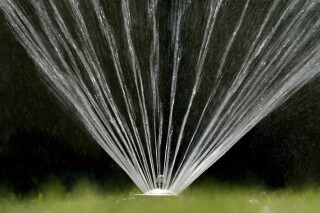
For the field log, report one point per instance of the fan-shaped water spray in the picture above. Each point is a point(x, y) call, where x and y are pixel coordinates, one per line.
point(167, 87)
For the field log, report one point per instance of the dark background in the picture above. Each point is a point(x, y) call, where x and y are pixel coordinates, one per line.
point(38, 138)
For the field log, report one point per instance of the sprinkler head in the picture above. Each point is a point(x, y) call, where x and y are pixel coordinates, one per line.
point(160, 180)
point(158, 192)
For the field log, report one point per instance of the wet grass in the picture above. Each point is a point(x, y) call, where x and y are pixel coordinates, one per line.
point(209, 196)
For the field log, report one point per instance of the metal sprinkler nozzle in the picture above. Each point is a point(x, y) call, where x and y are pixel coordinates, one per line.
point(160, 180)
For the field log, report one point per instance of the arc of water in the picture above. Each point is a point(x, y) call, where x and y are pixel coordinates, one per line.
point(223, 60)
point(272, 8)
point(139, 86)
point(230, 122)
point(214, 9)
point(37, 50)
point(126, 95)
point(154, 73)
point(176, 62)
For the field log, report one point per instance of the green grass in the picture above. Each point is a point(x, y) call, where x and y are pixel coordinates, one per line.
point(209, 196)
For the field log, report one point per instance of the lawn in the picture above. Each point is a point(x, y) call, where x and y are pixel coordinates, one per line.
point(206, 196)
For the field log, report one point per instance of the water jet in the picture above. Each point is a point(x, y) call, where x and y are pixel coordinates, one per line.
point(166, 88)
